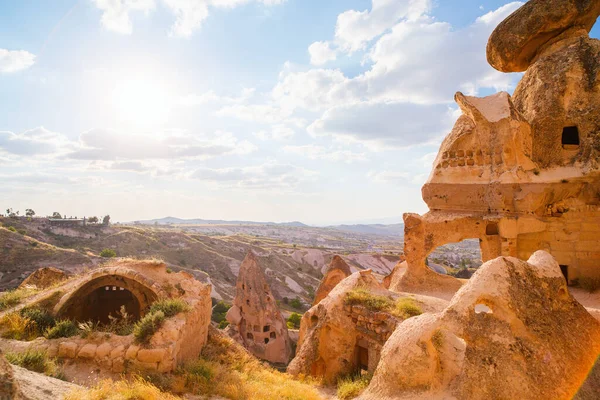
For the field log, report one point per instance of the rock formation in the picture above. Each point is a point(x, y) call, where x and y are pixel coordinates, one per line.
point(522, 173)
point(43, 278)
point(135, 285)
point(9, 387)
point(337, 271)
point(513, 331)
point(337, 339)
point(255, 320)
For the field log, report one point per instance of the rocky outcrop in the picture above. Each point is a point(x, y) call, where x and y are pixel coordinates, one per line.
point(338, 338)
point(519, 39)
point(337, 271)
point(521, 173)
point(255, 320)
point(513, 331)
point(44, 278)
point(9, 387)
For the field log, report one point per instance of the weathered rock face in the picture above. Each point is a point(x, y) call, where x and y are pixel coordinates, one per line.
point(522, 174)
point(512, 332)
point(44, 277)
point(528, 31)
point(337, 271)
point(330, 341)
point(255, 320)
point(9, 388)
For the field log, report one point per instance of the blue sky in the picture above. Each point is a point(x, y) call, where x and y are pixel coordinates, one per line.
point(313, 110)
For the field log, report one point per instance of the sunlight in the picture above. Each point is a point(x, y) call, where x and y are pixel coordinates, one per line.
point(141, 102)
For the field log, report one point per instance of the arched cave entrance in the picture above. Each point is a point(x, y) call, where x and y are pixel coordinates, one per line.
point(456, 259)
point(103, 296)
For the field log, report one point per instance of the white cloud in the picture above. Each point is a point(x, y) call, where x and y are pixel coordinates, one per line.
point(397, 178)
point(261, 113)
point(321, 53)
point(103, 144)
point(15, 60)
point(37, 178)
point(270, 175)
point(354, 29)
point(37, 141)
point(314, 152)
point(189, 14)
point(115, 13)
point(277, 132)
point(385, 125)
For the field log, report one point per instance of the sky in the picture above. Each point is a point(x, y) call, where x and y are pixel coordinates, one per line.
point(322, 111)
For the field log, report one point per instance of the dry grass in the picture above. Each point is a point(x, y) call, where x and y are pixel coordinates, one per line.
point(13, 298)
point(137, 389)
point(404, 307)
point(17, 327)
point(351, 387)
point(227, 370)
point(35, 360)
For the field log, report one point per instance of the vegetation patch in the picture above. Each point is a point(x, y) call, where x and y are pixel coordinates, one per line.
point(169, 307)
point(130, 390)
point(219, 311)
point(35, 360)
point(225, 369)
point(352, 386)
point(63, 328)
point(293, 321)
point(14, 297)
point(404, 308)
point(108, 253)
point(147, 326)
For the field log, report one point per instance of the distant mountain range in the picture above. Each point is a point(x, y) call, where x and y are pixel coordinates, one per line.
point(369, 229)
point(198, 221)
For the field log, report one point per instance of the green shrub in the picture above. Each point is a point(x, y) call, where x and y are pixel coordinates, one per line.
point(589, 284)
point(406, 308)
point(63, 328)
point(12, 229)
point(147, 326)
point(219, 311)
point(33, 360)
point(169, 307)
point(108, 253)
point(43, 319)
point(223, 324)
point(351, 387)
point(293, 321)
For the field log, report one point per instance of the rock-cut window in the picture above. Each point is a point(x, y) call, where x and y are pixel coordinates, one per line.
point(570, 137)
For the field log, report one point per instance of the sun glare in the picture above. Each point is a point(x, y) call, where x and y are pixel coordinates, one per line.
point(141, 102)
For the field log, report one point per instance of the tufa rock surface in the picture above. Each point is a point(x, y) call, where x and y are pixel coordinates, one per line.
point(44, 277)
point(521, 37)
point(337, 271)
point(513, 331)
point(255, 320)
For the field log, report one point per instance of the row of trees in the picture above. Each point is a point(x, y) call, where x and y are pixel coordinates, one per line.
point(30, 213)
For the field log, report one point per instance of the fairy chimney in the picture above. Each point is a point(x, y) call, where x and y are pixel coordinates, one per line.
point(255, 320)
point(337, 271)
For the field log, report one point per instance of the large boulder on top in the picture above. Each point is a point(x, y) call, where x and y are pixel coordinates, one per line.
point(336, 272)
point(255, 320)
point(44, 277)
point(521, 37)
point(513, 331)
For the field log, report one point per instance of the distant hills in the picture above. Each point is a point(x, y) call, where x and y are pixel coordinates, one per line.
point(198, 221)
point(369, 229)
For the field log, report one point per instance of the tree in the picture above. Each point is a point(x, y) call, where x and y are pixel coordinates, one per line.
point(106, 220)
point(296, 303)
point(93, 220)
point(56, 215)
point(29, 212)
point(293, 321)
